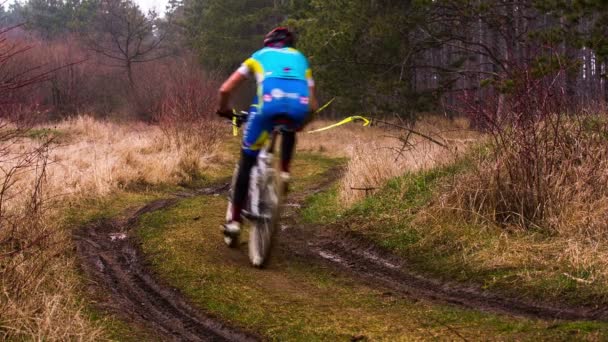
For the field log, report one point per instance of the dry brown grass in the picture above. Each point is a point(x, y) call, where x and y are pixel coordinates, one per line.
point(40, 288)
point(105, 157)
point(39, 284)
point(493, 199)
point(560, 189)
point(373, 152)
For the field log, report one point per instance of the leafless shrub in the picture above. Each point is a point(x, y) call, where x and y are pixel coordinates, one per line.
point(186, 112)
point(36, 291)
point(541, 158)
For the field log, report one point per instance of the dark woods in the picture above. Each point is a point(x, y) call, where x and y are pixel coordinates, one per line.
point(379, 56)
point(103, 58)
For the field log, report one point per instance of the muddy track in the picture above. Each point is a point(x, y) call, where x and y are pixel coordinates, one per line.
point(360, 258)
point(110, 257)
point(113, 263)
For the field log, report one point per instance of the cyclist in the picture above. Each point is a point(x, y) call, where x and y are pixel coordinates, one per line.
point(285, 89)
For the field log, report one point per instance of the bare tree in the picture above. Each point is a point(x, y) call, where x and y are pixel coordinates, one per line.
point(126, 36)
point(15, 76)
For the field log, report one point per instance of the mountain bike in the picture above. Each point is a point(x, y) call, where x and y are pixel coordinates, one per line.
point(264, 200)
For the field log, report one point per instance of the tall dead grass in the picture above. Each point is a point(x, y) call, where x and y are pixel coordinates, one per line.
point(554, 178)
point(541, 184)
point(37, 273)
point(377, 153)
point(551, 234)
point(39, 285)
point(105, 156)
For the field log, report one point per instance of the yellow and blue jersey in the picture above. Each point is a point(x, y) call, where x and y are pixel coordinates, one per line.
point(283, 79)
point(282, 63)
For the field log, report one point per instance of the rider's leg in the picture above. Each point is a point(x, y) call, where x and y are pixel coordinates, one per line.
point(241, 187)
point(288, 143)
point(254, 138)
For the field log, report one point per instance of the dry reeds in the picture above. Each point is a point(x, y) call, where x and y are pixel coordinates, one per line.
point(39, 285)
point(376, 154)
point(38, 299)
point(552, 176)
point(540, 182)
point(107, 156)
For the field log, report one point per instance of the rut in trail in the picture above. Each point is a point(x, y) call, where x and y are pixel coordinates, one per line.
point(110, 258)
point(362, 259)
point(376, 267)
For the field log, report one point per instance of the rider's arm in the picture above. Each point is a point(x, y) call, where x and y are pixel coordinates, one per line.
point(314, 103)
point(228, 87)
point(312, 96)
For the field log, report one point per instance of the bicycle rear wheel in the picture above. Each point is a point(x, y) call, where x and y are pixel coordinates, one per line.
point(262, 232)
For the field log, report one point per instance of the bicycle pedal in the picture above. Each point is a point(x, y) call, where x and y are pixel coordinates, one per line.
point(231, 237)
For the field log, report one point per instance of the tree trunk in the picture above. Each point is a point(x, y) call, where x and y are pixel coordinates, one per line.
point(605, 79)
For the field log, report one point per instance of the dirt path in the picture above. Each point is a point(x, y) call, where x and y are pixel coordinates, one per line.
point(112, 261)
point(111, 258)
point(377, 267)
point(362, 259)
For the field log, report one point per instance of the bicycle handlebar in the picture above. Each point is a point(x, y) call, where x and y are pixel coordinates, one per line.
point(239, 118)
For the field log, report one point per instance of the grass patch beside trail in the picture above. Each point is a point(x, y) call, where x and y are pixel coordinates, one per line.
point(310, 170)
point(323, 208)
point(59, 136)
point(118, 330)
point(293, 300)
point(403, 217)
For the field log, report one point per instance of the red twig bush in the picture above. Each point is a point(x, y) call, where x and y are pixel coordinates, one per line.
point(542, 163)
point(186, 110)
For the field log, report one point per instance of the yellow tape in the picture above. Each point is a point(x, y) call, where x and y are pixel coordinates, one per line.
point(325, 105)
point(235, 129)
point(366, 122)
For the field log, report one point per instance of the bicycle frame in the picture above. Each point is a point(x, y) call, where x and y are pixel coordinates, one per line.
point(262, 175)
point(263, 205)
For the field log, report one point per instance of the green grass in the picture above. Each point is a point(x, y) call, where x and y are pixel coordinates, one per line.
point(88, 210)
point(309, 170)
point(294, 300)
point(57, 135)
point(323, 207)
point(374, 216)
point(447, 247)
point(118, 330)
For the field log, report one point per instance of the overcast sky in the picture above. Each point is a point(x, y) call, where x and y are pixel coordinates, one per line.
point(146, 5)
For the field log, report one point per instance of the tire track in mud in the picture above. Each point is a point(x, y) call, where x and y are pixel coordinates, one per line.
point(111, 259)
point(360, 258)
point(363, 260)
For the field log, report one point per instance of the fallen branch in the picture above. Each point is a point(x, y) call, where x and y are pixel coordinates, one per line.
point(429, 138)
